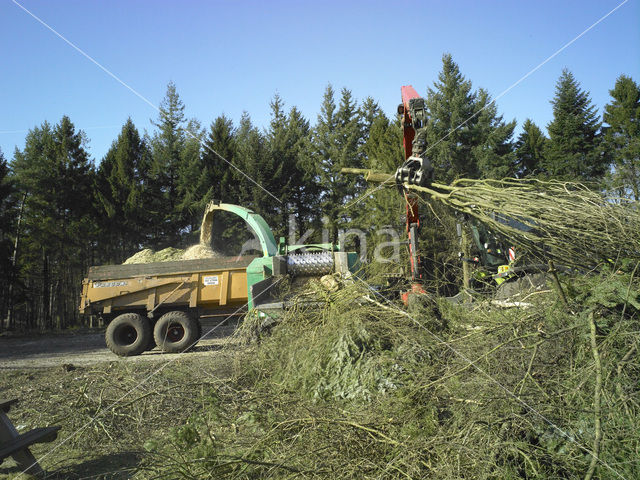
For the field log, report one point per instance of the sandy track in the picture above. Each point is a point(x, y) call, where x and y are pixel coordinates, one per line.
point(88, 348)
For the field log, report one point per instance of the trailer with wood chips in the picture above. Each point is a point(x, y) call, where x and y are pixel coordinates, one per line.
point(162, 303)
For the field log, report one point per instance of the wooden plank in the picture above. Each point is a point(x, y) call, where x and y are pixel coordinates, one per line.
point(151, 299)
point(195, 289)
point(25, 440)
point(224, 288)
point(5, 405)
point(109, 272)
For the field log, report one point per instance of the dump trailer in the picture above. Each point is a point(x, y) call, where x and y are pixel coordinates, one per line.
point(162, 303)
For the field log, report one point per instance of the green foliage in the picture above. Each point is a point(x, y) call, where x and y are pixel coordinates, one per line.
point(56, 175)
point(287, 140)
point(382, 152)
point(191, 198)
point(465, 135)
point(7, 219)
point(216, 181)
point(253, 159)
point(336, 143)
point(174, 156)
point(529, 150)
point(497, 394)
point(572, 151)
point(622, 136)
point(345, 356)
point(126, 208)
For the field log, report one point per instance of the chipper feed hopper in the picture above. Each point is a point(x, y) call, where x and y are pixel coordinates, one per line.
point(161, 303)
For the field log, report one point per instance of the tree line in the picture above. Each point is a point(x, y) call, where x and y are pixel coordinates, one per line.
point(61, 213)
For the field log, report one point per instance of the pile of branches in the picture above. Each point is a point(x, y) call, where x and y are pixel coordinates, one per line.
point(355, 387)
point(565, 221)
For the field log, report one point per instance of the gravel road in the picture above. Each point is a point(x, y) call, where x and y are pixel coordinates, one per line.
point(88, 347)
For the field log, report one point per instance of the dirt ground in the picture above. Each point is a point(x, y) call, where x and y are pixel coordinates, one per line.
point(86, 347)
point(107, 406)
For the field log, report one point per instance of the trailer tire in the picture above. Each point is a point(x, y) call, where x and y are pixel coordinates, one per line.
point(176, 332)
point(128, 334)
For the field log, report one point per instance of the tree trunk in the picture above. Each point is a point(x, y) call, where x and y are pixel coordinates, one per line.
point(12, 272)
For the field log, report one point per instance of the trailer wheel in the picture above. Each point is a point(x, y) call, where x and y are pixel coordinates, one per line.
point(176, 332)
point(128, 334)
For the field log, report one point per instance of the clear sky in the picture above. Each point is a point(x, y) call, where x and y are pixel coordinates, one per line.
point(232, 56)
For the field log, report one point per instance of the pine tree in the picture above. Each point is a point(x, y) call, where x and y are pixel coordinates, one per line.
point(450, 104)
point(622, 136)
point(493, 149)
point(167, 147)
point(287, 140)
point(253, 159)
point(304, 190)
point(6, 232)
point(191, 198)
point(383, 152)
point(337, 142)
point(279, 150)
point(529, 150)
point(465, 135)
point(370, 112)
point(217, 181)
point(122, 194)
point(55, 171)
point(573, 147)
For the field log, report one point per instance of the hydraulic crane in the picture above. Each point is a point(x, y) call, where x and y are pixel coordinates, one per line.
point(416, 170)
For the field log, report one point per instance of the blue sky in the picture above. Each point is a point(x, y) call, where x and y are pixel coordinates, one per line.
point(233, 56)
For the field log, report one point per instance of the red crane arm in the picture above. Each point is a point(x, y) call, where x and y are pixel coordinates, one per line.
point(408, 93)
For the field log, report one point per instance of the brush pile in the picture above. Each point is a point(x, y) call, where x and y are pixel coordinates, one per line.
point(354, 387)
point(565, 221)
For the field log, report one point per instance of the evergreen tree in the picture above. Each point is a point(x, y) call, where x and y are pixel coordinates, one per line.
point(529, 150)
point(167, 145)
point(622, 136)
point(304, 190)
point(450, 104)
point(217, 180)
point(573, 148)
point(370, 112)
point(6, 231)
point(55, 172)
point(191, 197)
point(281, 156)
point(287, 140)
point(337, 142)
point(122, 195)
point(493, 148)
point(465, 135)
point(382, 152)
point(253, 159)
point(6, 190)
